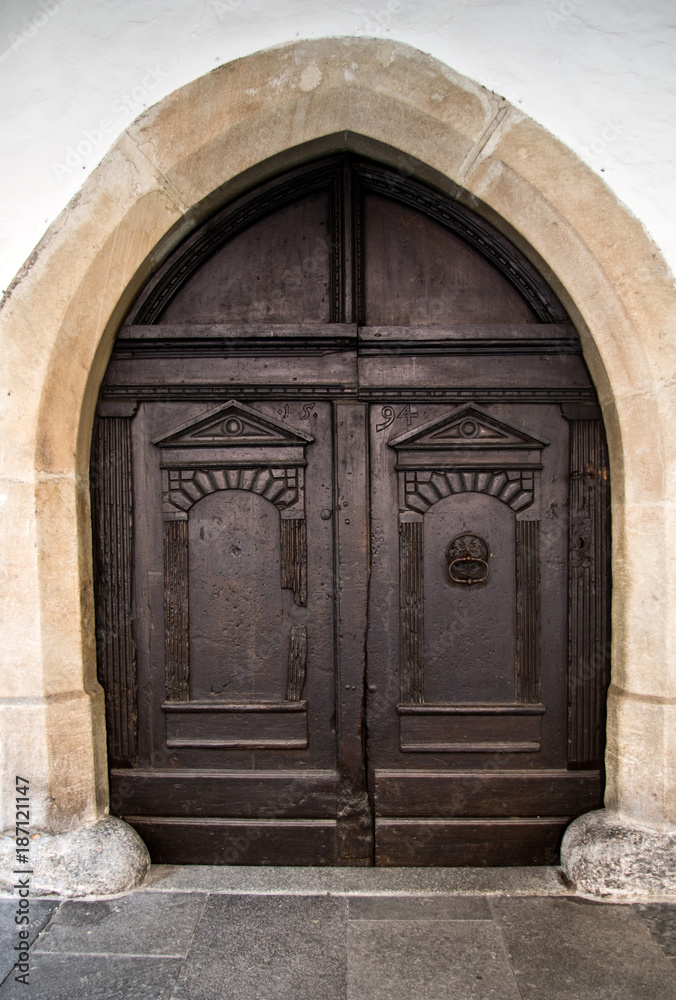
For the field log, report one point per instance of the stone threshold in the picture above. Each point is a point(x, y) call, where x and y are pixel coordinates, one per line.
point(262, 880)
point(266, 881)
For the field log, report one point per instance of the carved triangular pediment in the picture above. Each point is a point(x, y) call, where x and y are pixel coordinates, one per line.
point(467, 427)
point(233, 424)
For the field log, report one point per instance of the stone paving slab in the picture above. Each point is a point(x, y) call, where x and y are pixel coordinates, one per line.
point(138, 924)
point(428, 960)
point(40, 912)
point(95, 977)
point(661, 921)
point(354, 945)
point(419, 908)
point(267, 948)
point(541, 881)
point(572, 949)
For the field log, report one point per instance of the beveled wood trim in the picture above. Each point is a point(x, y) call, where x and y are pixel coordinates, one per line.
point(297, 665)
point(351, 529)
point(527, 611)
point(113, 537)
point(293, 539)
point(483, 339)
point(176, 611)
point(483, 711)
point(588, 593)
point(236, 707)
point(248, 331)
point(178, 392)
point(411, 610)
point(563, 333)
point(205, 340)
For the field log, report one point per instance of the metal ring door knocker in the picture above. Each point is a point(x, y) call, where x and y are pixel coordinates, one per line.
point(467, 556)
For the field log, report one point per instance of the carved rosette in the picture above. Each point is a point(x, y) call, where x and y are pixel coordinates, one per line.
point(234, 447)
point(468, 451)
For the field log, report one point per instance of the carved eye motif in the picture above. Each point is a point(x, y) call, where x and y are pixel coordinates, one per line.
point(467, 556)
point(233, 427)
point(468, 429)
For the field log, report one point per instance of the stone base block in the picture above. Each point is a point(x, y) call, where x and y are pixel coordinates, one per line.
point(105, 858)
point(604, 855)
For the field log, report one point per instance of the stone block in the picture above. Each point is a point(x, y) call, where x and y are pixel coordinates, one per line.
point(606, 856)
point(104, 858)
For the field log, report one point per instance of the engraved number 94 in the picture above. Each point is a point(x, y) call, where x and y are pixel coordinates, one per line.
point(389, 415)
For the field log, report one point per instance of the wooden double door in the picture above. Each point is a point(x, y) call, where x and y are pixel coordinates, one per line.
point(350, 505)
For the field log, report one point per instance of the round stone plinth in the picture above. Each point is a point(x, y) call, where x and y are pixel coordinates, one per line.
point(104, 858)
point(604, 855)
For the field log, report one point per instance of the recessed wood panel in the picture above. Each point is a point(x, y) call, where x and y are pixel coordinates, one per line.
point(521, 371)
point(276, 271)
point(465, 729)
point(259, 795)
point(215, 841)
point(470, 631)
point(151, 374)
point(418, 273)
point(268, 727)
point(237, 642)
point(475, 842)
point(486, 793)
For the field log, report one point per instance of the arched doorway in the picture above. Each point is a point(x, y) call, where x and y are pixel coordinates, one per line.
point(350, 503)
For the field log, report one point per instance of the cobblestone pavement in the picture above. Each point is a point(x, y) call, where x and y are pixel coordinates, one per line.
point(362, 934)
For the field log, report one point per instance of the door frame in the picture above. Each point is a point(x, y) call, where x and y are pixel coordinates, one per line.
point(92, 264)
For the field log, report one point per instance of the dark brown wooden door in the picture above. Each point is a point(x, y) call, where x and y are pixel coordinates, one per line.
point(350, 504)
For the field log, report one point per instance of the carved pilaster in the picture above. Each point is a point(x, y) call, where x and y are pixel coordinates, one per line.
point(176, 637)
point(112, 517)
point(411, 610)
point(297, 662)
point(527, 612)
point(589, 592)
point(294, 557)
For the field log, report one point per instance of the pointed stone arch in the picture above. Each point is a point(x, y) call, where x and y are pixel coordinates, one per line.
point(180, 160)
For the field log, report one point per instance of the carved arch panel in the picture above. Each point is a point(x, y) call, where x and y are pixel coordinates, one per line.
point(232, 448)
point(449, 456)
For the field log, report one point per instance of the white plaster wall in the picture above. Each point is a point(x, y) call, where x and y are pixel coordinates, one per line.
point(599, 74)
